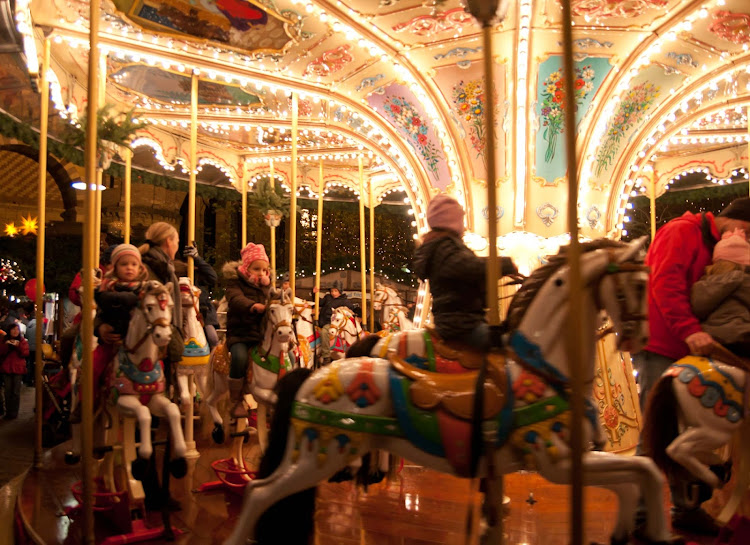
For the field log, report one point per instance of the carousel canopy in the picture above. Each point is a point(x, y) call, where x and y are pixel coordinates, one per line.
point(662, 88)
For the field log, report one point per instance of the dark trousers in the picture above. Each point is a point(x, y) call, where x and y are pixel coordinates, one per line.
point(12, 394)
point(239, 363)
point(28, 378)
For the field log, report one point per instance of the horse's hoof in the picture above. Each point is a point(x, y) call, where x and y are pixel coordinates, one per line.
point(138, 468)
point(178, 468)
point(217, 434)
point(71, 458)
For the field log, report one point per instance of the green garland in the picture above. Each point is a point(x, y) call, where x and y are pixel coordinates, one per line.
point(13, 129)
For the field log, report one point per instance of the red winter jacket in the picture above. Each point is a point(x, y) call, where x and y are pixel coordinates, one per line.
point(678, 257)
point(13, 358)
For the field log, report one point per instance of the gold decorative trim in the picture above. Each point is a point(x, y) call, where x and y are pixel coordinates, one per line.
point(544, 182)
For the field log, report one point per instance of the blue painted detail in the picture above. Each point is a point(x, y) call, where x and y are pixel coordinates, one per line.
point(401, 406)
point(710, 397)
point(557, 427)
point(342, 440)
point(531, 436)
point(369, 82)
point(727, 376)
point(714, 391)
point(687, 374)
point(532, 355)
point(418, 361)
point(311, 434)
point(133, 372)
point(362, 402)
point(457, 52)
point(505, 418)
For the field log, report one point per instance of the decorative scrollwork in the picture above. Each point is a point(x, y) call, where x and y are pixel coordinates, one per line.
point(614, 8)
point(547, 213)
point(733, 27)
point(428, 25)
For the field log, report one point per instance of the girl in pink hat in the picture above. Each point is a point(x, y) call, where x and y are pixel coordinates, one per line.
point(248, 284)
point(721, 298)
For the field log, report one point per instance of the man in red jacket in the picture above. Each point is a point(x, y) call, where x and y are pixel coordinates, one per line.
point(678, 256)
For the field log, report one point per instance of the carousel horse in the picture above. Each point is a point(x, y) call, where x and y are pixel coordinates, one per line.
point(197, 351)
point(693, 411)
point(269, 361)
point(326, 418)
point(345, 331)
point(394, 312)
point(308, 338)
point(138, 380)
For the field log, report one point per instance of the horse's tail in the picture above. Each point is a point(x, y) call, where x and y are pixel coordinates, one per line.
point(273, 526)
point(660, 426)
point(362, 347)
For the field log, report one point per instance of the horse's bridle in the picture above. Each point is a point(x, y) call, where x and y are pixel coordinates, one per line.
point(343, 329)
point(150, 325)
point(630, 319)
point(276, 326)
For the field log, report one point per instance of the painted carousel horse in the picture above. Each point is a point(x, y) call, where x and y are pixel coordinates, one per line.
point(138, 380)
point(345, 331)
point(394, 312)
point(308, 338)
point(197, 351)
point(326, 418)
point(693, 411)
point(269, 361)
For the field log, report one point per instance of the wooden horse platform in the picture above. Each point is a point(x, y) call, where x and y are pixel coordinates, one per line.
point(419, 507)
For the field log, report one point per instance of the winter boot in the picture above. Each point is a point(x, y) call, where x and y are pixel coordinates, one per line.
point(237, 396)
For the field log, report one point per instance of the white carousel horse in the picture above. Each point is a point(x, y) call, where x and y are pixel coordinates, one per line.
point(267, 366)
point(138, 378)
point(693, 411)
point(308, 338)
point(359, 404)
point(394, 312)
point(345, 331)
point(197, 351)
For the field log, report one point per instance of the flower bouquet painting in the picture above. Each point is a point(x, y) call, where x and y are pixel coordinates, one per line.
point(553, 103)
point(468, 98)
point(407, 118)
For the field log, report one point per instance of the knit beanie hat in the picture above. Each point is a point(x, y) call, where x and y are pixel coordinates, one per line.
point(251, 252)
point(122, 250)
point(445, 212)
point(738, 209)
point(733, 247)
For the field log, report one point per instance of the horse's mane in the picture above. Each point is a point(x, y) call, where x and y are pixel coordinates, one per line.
point(154, 287)
point(271, 301)
point(531, 286)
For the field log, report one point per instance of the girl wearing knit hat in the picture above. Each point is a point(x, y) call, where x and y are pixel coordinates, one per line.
point(248, 285)
point(457, 276)
point(721, 298)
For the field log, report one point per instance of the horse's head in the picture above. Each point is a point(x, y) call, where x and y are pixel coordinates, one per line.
point(156, 306)
point(189, 293)
point(278, 322)
point(621, 292)
point(381, 295)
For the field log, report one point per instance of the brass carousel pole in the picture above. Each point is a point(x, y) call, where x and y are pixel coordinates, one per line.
point(652, 201)
point(243, 192)
point(362, 257)
point(272, 224)
point(319, 242)
point(128, 181)
point(87, 323)
point(40, 241)
point(192, 452)
point(575, 331)
point(293, 203)
point(100, 172)
point(372, 256)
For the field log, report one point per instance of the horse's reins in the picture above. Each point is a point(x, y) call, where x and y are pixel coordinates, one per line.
point(159, 322)
point(614, 270)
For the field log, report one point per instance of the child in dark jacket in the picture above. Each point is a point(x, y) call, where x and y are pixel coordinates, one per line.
point(248, 286)
point(457, 276)
point(13, 352)
point(721, 298)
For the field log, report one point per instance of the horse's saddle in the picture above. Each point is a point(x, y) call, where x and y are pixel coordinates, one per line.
point(455, 392)
point(453, 349)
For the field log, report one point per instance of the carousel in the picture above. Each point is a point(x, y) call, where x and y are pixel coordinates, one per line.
point(375, 98)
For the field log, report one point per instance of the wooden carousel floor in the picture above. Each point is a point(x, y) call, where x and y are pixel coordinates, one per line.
point(420, 507)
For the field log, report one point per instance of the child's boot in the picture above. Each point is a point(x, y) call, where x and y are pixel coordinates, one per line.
point(237, 396)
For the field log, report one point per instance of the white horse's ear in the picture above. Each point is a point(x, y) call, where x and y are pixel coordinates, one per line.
point(168, 287)
point(632, 249)
point(286, 296)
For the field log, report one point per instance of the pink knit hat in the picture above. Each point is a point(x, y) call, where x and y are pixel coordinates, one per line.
point(445, 212)
point(733, 247)
point(122, 250)
point(251, 252)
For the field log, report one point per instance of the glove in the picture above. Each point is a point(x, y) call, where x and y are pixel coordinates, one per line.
point(190, 251)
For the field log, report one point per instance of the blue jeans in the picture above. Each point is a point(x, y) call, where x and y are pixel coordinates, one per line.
point(650, 367)
point(240, 360)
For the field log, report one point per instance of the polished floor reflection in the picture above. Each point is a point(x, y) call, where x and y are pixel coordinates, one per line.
point(419, 507)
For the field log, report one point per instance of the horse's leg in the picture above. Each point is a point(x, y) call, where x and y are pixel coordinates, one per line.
point(289, 478)
point(262, 425)
point(696, 443)
point(182, 384)
point(221, 386)
point(613, 471)
point(133, 407)
point(161, 406)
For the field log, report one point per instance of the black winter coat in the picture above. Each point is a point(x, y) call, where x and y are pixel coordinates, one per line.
point(243, 324)
point(115, 308)
point(458, 282)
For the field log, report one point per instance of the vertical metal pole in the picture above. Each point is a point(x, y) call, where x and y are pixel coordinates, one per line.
point(243, 192)
point(87, 323)
point(362, 256)
point(273, 227)
point(319, 241)
point(575, 331)
point(372, 256)
point(293, 204)
point(100, 172)
point(193, 171)
point(128, 181)
point(40, 242)
point(652, 199)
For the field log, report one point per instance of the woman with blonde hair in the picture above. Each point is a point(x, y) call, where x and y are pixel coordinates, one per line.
point(162, 241)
